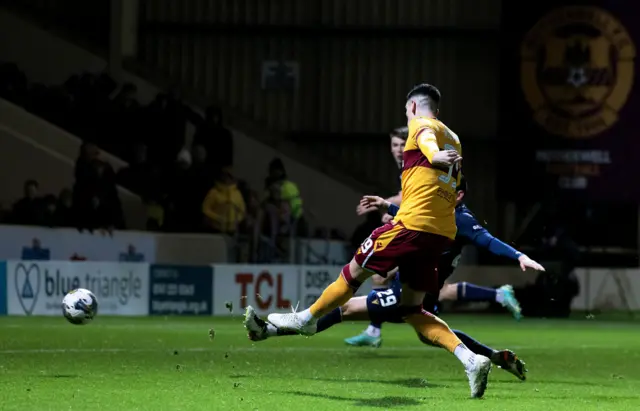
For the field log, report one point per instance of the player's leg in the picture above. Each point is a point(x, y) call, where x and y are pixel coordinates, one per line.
point(371, 336)
point(505, 359)
point(419, 278)
point(334, 296)
point(464, 291)
point(372, 254)
point(354, 310)
point(434, 331)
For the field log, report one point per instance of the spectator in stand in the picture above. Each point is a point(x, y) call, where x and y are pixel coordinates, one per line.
point(28, 210)
point(252, 201)
point(213, 136)
point(158, 201)
point(64, 209)
point(166, 121)
point(191, 187)
point(109, 211)
point(155, 215)
point(48, 219)
point(89, 153)
point(96, 201)
point(181, 211)
point(126, 123)
point(223, 207)
point(137, 175)
point(201, 173)
point(285, 196)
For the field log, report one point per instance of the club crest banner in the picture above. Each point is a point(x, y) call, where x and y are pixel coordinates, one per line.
point(569, 99)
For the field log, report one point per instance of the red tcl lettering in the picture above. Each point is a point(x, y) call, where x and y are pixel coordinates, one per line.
point(262, 287)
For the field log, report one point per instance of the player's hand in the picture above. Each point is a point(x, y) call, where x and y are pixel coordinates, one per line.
point(386, 218)
point(446, 158)
point(526, 262)
point(362, 210)
point(374, 202)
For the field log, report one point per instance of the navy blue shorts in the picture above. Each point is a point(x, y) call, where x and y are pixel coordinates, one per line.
point(383, 304)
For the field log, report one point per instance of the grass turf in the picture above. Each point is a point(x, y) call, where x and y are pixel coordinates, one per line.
point(170, 364)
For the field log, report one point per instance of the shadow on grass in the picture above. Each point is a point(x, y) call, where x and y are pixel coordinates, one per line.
point(372, 355)
point(552, 382)
point(404, 382)
point(383, 402)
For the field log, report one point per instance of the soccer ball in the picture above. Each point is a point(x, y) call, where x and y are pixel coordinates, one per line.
point(79, 306)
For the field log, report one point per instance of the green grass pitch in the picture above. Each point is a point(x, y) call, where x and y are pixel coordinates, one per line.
point(170, 364)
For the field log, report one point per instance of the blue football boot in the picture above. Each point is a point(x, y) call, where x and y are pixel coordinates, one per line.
point(509, 301)
point(364, 340)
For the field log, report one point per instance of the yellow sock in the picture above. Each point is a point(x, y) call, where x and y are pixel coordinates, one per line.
point(335, 295)
point(436, 331)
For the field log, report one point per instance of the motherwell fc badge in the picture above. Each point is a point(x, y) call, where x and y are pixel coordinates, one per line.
point(577, 70)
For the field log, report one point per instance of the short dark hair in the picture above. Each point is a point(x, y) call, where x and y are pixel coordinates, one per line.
point(428, 95)
point(400, 132)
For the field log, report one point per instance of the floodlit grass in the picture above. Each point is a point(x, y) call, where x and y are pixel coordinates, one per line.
point(170, 364)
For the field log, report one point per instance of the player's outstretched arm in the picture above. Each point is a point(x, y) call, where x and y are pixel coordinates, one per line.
point(469, 227)
point(375, 202)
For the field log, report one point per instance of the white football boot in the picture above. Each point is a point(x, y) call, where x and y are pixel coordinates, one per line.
point(478, 375)
point(293, 322)
point(255, 326)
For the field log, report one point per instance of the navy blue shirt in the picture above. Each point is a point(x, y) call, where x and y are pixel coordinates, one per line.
point(468, 229)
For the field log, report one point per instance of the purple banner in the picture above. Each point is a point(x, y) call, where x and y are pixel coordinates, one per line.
point(570, 100)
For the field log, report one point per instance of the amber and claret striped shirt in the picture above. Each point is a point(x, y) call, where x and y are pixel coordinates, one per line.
point(428, 192)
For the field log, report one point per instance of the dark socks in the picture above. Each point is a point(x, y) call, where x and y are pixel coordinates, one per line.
point(472, 292)
point(473, 345)
point(329, 320)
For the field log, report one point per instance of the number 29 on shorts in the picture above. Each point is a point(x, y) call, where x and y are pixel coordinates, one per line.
point(386, 298)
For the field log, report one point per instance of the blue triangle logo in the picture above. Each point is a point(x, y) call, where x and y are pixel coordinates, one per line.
point(27, 290)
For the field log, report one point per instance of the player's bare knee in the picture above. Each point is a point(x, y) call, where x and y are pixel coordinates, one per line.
point(449, 292)
point(356, 272)
point(345, 310)
point(355, 307)
point(355, 269)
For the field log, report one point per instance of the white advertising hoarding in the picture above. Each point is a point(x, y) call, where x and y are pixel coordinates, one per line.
point(268, 288)
point(37, 287)
point(18, 243)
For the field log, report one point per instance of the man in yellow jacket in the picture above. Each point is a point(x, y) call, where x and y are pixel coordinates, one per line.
point(223, 207)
